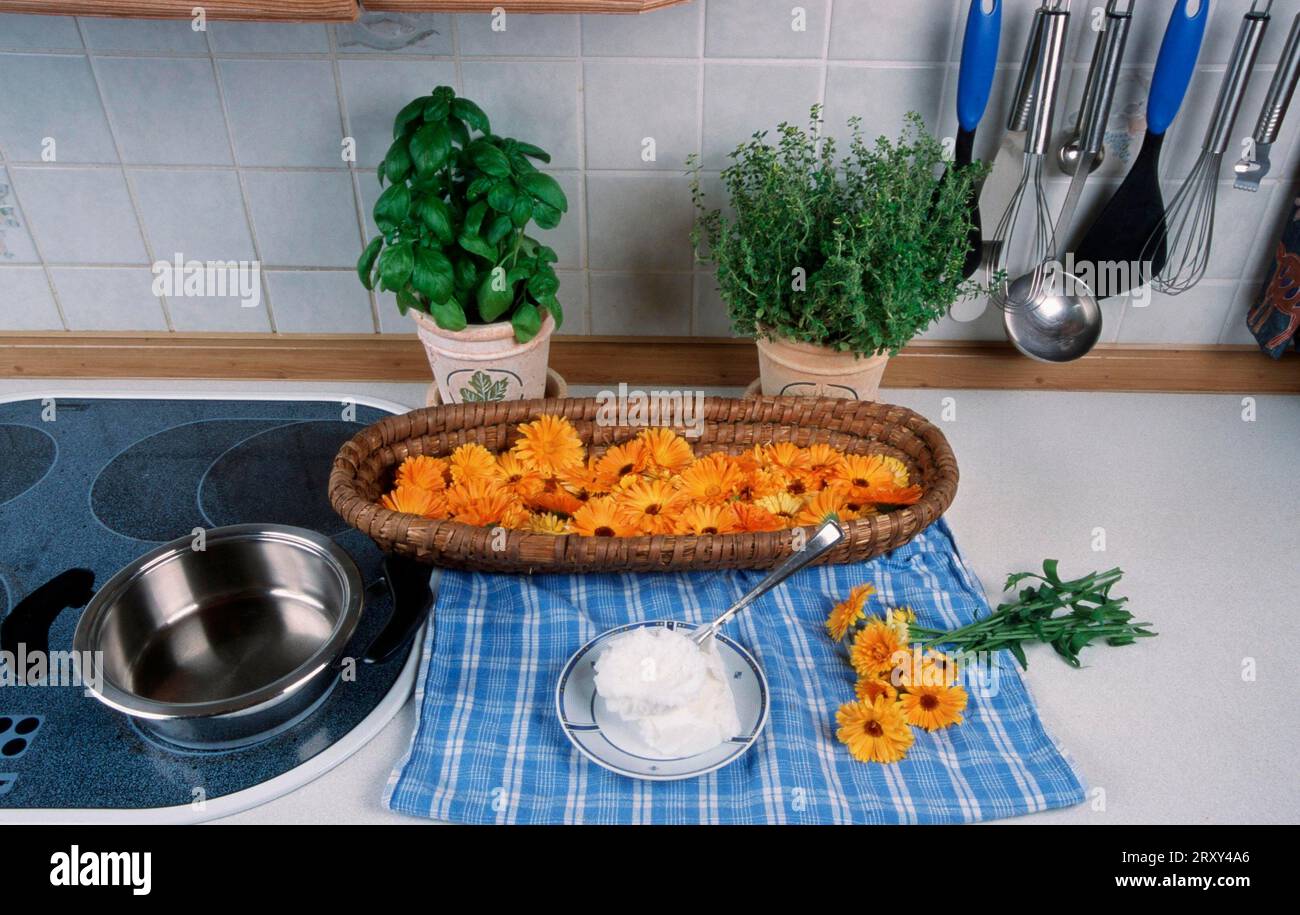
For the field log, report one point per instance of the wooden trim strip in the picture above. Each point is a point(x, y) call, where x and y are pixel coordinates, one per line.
point(645, 360)
point(214, 10)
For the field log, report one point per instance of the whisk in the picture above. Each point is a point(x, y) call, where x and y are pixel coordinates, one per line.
point(1025, 237)
point(1178, 251)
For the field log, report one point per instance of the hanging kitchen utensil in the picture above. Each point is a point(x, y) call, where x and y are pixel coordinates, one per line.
point(1025, 234)
point(1063, 322)
point(1186, 234)
point(1119, 15)
point(979, 59)
point(1007, 163)
point(1137, 210)
point(1252, 168)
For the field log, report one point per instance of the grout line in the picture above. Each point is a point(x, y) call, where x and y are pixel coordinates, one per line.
point(358, 201)
point(581, 213)
point(110, 120)
point(40, 255)
point(701, 76)
point(243, 190)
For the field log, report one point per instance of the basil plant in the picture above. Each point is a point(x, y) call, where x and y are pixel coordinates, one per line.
point(454, 217)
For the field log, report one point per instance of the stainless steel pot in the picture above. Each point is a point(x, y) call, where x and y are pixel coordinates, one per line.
point(231, 644)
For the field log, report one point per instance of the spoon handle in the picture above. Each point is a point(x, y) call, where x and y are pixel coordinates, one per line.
point(826, 537)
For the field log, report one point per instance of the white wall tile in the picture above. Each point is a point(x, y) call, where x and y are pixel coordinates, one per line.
point(375, 90)
point(536, 102)
point(638, 222)
point(671, 32)
point(1194, 316)
point(225, 314)
point(740, 99)
point(304, 219)
point(656, 304)
point(15, 241)
point(765, 28)
point(52, 96)
point(268, 37)
point(105, 34)
point(881, 97)
point(396, 33)
point(165, 111)
point(18, 31)
point(108, 298)
point(296, 124)
point(80, 215)
point(889, 30)
point(319, 302)
point(666, 111)
point(169, 202)
point(25, 300)
point(518, 35)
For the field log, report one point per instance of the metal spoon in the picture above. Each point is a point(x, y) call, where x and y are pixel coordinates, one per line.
point(826, 537)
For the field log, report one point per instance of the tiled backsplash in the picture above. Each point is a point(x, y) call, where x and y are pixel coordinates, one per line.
point(226, 144)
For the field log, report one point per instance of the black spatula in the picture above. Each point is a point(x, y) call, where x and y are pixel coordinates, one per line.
point(1137, 211)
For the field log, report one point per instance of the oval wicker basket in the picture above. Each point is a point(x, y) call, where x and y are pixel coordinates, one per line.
point(364, 469)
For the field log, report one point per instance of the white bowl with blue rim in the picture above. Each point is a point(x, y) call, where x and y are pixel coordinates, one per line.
point(610, 741)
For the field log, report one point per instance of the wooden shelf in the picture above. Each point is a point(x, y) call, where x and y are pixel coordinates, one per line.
point(216, 10)
point(521, 6)
point(682, 361)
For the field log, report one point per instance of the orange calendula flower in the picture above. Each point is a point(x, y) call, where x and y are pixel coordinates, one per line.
point(824, 462)
point(874, 649)
point(482, 502)
point(472, 461)
point(556, 498)
point(784, 506)
point(583, 480)
point(875, 731)
point(786, 458)
point(652, 505)
point(758, 484)
point(547, 523)
point(711, 480)
point(413, 500)
point(602, 517)
point(848, 611)
point(549, 444)
point(934, 707)
point(890, 497)
point(755, 518)
point(869, 689)
point(701, 518)
point(618, 463)
point(423, 472)
point(870, 471)
point(666, 452)
point(931, 669)
point(518, 478)
point(829, 502)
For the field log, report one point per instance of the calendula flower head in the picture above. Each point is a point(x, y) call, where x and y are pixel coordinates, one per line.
point(423, 472)
point(521, 480)
point(547, 523)
point(601, 516)
point(702, 518)
point(874, 649)
point(758, 484)
point(865, 474)
point(556, 498)
point(824, 462)
point(413, 500)
point(583, 480)
point(848, 611)
point(934, 707)
point(471, 461)
point(482, 502)
point(654, 505)
point(824, 505)
point(755, 518)
point(869, 689)
point(784, 506)
point(900, 619)
point(712, 480)
point(874, 732)
point(785, 458)
point(620, 465)
point(887, 498)
point(929, 669)
point(549, 444)
point(666, 452)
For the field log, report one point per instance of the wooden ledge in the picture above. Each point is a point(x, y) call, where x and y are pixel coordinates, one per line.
point(702, 362)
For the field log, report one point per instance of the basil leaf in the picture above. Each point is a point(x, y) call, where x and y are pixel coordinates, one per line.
point(466, 273)
point(430, 147)
point(546, 189)
point(488, 159)
point(527, 321)
point(554, 309)
point(366, 263)
point(432, 275)
point(410, 112)
point(392, 207)
point(478, 187)
point(543, 284)
point(437, 108)
point(397, 162)
point(499, 229)
point(545, 215)
point(495, 295)
point(448, 315)
point(502, 196)
point(395, 266)
point(521, 211)
point(471, 114)
point(535, 152)
point(437, 216)
point(459, 132)
point(475, 245)
point(474, 218)
point(406, 300)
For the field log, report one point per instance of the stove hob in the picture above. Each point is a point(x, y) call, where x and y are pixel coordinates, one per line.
point(87, 484)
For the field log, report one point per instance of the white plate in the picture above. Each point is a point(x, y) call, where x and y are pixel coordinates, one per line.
point(607, 740)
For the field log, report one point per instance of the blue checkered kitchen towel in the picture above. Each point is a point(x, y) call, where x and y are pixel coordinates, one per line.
point(488, 747)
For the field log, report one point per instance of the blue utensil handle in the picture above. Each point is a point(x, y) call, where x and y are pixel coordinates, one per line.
point(1176, 64)
point(979, 60)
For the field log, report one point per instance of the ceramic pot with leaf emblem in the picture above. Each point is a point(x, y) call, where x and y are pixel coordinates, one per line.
point(791, 369)
point(484, 362)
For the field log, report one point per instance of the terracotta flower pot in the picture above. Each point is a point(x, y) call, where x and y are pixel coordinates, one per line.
point(805, 369)
point(484, 362)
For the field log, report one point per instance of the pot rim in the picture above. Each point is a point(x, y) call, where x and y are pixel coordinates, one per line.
point(85, 639)
point(767, 336)
point(497, 330)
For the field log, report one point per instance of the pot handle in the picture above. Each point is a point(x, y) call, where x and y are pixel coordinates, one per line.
point(411, 587)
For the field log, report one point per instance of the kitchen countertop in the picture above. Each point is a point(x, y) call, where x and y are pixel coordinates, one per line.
point(1196, 503)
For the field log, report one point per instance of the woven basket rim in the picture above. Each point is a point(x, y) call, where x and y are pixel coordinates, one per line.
point(414, 530)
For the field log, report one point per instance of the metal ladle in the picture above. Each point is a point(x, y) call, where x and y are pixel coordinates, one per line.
point(1059, 320)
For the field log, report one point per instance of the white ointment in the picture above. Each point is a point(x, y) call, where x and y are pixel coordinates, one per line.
point(675, 692)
